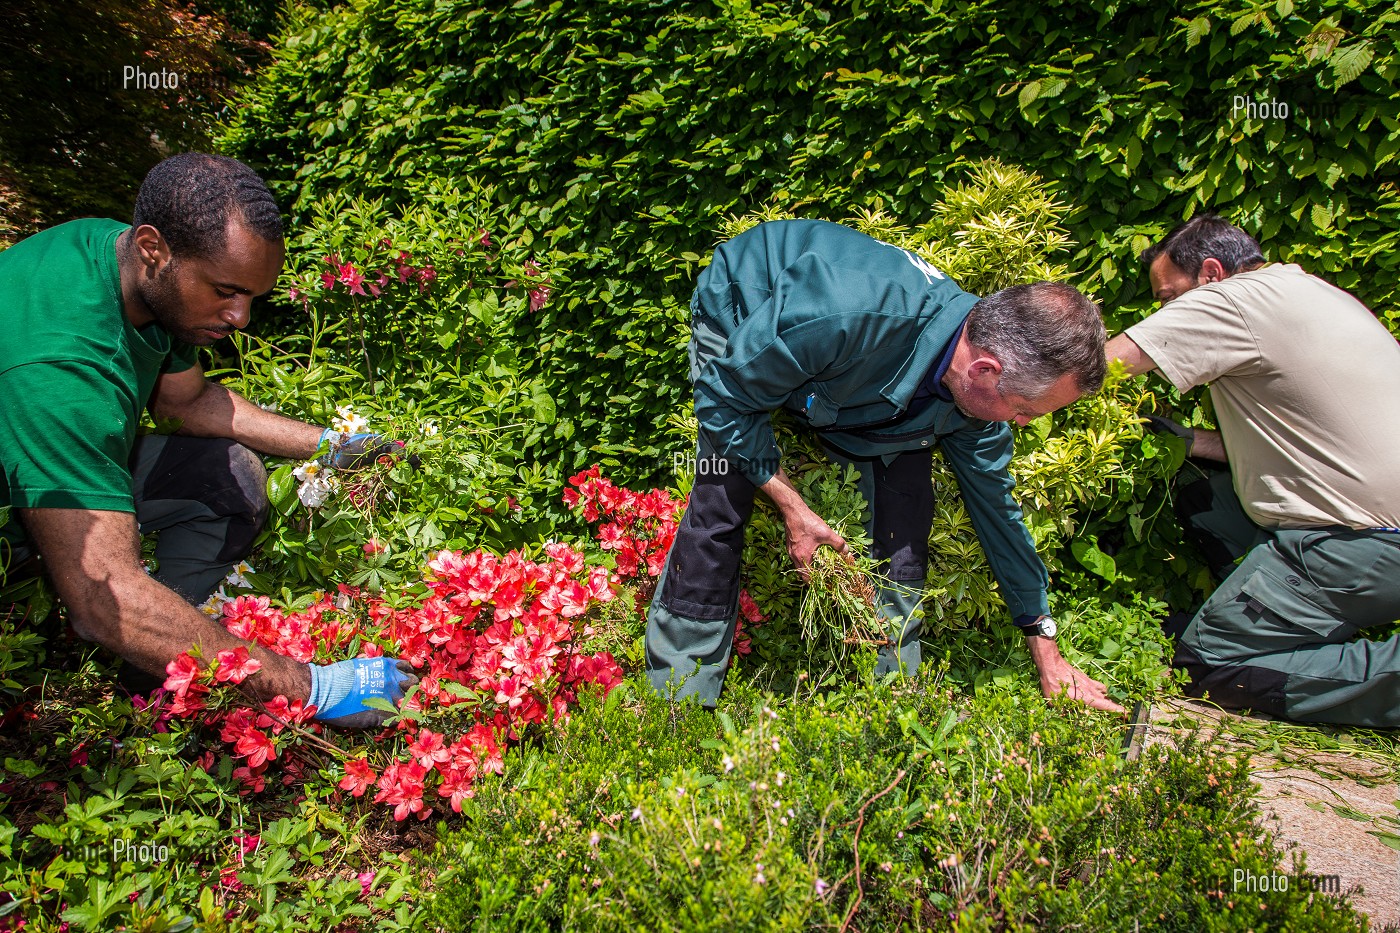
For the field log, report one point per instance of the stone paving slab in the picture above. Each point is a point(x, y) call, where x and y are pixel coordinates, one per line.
point(1301, 794)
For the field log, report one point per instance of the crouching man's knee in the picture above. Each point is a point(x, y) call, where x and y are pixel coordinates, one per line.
point(1233, 686)
point(246, 503)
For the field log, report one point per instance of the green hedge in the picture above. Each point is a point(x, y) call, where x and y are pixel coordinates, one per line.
point(626, 131)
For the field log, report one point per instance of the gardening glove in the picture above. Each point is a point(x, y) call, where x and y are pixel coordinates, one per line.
point(358, 450)
point(338, 690)
point(1159, 425)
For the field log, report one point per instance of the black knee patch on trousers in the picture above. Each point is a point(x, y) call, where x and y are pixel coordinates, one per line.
point(903, 515)
point(702, 578)
point(1234, 686)
point(228, 478)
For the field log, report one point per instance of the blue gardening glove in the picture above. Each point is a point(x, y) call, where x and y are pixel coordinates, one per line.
point(358, 450)
point(339, 690)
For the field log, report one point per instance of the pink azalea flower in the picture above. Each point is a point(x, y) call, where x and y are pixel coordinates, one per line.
point(349, 276)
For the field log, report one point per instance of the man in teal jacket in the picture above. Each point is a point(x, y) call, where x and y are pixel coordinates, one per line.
point(886, 358)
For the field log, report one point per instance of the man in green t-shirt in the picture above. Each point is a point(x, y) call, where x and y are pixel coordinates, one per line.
point(99, 321)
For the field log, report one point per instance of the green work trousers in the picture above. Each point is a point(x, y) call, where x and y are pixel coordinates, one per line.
point(1283, 633)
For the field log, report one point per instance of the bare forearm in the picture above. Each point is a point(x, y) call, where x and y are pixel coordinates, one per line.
point(784, 496)
point(150, 625)
point(221, 412)
point(1208, 445)
point(1134, 359)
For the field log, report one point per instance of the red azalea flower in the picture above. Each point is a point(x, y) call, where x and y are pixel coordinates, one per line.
point(429, 749)
point(256, 746)
point(181, 674)
point(359, 777)
point(401, 784)
point(426, 276)
point(348, 275)
point(235, 666)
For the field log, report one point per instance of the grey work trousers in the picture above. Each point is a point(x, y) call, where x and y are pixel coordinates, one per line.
point(205, 498)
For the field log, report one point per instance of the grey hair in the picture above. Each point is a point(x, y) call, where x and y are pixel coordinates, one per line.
point(1040, 333)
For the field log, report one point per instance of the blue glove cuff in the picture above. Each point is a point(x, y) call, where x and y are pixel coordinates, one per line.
point(326, 435)
point(340, 689)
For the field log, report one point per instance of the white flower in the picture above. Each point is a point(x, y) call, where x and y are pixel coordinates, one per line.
point(728, 764)
point(314, 494)
point(346, 422)
point(317, 484)
point(236, 577)
point(430, 429)
point(307, 470)
point(270, 406)
point(214, 605)
point(637, 813)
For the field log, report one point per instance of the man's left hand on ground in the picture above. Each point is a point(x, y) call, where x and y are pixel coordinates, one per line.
point(1058, 676)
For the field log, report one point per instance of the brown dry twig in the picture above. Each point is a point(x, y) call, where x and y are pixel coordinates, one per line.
point(855, 847)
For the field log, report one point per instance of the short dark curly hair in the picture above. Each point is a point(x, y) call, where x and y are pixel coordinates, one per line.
point(190, 197)
point(1207, 236)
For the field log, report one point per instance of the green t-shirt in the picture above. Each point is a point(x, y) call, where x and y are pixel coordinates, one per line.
point(75, 375)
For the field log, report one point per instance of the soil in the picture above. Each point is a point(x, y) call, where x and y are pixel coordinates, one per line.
point(1324, 805)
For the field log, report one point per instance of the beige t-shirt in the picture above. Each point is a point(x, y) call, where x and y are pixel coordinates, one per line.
point(1306, 386)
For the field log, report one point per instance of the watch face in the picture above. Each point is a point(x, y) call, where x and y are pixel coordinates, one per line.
point(1048, 627)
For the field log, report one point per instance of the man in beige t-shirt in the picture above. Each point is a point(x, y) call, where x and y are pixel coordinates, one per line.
point(1306, 387)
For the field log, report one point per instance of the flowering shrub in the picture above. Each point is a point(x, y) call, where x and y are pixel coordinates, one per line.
point(498, 645)
point(639, 529)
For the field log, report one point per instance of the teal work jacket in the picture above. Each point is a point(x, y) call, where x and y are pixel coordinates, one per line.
point(841, 329)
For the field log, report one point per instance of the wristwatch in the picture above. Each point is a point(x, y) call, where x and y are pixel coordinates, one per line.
point(1045, 626)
